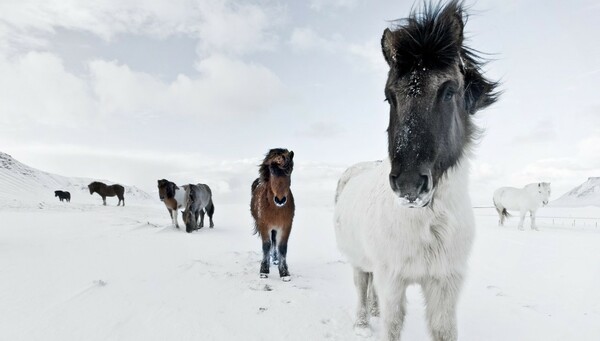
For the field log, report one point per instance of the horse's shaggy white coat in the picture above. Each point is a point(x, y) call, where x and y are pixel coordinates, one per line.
point(526, 199)
point(401, 246)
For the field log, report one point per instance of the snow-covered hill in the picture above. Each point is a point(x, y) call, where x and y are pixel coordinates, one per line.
point(22, 185)
point(586, 194)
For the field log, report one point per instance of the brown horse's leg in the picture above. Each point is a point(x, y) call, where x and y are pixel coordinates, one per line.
point(274, 253)
point(266, 247)
point(104, 200)
point(282, 248)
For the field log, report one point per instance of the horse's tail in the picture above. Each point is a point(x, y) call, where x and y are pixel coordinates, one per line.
point(252, 189)
point(501, 211)
point(210, 208)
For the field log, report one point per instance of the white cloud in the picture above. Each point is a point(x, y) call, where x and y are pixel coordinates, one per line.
point(319, 5)
point(306, 39)
point(219, 25)
point(36, 89)
point(370, 53)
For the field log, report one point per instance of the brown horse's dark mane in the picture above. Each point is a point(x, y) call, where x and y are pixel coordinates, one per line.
point(278, 161)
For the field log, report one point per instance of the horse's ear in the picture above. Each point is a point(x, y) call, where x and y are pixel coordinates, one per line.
point(387, 47)
point(454, 16)
point(291, 155)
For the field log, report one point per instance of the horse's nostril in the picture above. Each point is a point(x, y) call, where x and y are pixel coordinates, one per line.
point(394, 182)
point(423, 184)
point(280, 202)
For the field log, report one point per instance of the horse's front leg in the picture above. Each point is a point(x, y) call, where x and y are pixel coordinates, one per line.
point(533, 225)
point(175, 222)
point(274, 252)
point(282, 248)
point(361, 282)
point(104, 201)
point(392, 299)
point(441, 296)
point(372, 299)
point(266, 248)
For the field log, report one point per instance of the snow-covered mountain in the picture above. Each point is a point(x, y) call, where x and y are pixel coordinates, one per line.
point(21, 185)
point(586, 194)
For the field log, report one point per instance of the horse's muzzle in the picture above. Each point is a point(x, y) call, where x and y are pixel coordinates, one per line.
point(279, 202)
point(413, 190)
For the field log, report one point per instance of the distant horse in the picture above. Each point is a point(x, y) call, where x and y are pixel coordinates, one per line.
point(526, 199)
point(408, 220)
point(198, 201)
point(173, 197)
point(107, 191)
point(63, 195)
point(272, 207)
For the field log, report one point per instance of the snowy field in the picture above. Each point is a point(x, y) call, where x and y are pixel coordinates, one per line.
point(82, 271)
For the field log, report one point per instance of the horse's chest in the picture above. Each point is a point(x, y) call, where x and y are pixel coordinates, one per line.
point(419, 250)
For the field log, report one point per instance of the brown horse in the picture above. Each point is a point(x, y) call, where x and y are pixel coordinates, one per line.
point(272, 208)
point(107, 191)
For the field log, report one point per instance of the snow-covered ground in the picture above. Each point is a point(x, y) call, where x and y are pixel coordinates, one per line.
point(82, 271)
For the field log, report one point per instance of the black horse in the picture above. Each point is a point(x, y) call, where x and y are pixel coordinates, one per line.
point(63, 195)
point(107, 191)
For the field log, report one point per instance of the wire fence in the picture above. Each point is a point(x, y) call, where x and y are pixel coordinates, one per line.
point(563, 221)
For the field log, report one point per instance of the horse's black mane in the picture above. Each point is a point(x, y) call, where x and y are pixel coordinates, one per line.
point(432, 39)
point(267, 167)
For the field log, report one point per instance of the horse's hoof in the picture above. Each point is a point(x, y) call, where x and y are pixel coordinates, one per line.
point(363, 329)
point(264, 275)
point(286, 278)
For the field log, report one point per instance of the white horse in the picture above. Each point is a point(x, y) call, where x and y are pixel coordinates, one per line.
point(408, 219)
point(526, 199)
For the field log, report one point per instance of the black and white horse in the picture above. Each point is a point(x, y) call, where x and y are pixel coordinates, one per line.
point(408, 220)
point(63, 195)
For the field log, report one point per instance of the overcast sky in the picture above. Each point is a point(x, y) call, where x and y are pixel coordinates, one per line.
point(199, 90)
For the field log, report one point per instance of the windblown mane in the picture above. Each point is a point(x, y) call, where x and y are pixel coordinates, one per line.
point(278, 161)
point(432, 39)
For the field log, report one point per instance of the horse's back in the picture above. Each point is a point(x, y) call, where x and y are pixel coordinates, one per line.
point(511, 198)
point(351, 172)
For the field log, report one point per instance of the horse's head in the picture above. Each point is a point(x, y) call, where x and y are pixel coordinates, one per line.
point(434, 85)
point(276, 169)
point(189, 217)
point(92, 188)
point(544, 191)
point(166, 189)
point(56, 193)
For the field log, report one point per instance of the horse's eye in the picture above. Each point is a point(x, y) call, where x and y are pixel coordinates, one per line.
point(449, 93)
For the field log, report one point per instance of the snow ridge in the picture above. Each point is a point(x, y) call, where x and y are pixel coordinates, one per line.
point(586, 194)
point(21, 185)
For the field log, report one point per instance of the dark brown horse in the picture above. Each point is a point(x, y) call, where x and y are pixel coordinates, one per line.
point(272, 208)
point(63, 195)
point(107, 191)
